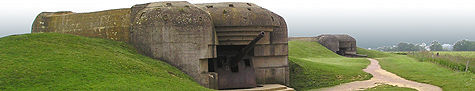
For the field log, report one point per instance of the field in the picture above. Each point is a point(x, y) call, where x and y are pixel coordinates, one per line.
point(454, 60)
point(50, 61)
point(424, 71)
point(428, 72)
point(468, 54)
point(313, 66)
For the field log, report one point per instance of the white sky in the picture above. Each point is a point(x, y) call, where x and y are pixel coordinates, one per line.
point(372, 22)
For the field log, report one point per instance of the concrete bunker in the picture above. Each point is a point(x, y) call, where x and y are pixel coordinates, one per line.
point(340, 44)
point(344, 45)
point(240, 26)
point(220, 45)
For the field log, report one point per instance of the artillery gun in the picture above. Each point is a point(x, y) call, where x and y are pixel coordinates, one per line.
point(245, 50)
point(234, 66)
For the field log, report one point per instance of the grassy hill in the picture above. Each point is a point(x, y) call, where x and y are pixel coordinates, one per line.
point(314, 66)
point(50, 61)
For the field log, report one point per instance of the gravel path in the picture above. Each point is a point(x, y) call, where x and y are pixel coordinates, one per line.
point(381, 76)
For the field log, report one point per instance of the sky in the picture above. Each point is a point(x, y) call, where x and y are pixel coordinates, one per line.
point(373, 23)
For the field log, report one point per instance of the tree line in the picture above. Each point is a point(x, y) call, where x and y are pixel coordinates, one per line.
point(464, 45)
point(461, 45)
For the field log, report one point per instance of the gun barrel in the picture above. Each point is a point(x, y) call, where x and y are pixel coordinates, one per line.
point(246, 49)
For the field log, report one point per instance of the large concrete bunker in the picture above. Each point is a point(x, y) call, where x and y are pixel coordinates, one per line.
point(221, 45)
point(340, 44)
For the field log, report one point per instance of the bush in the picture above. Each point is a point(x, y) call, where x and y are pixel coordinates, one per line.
point(400, 53)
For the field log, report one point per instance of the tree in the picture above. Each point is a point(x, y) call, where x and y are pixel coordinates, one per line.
point(464, 45)
point(403, 46)
point(386, 48)
point(418, 48)
point(435, 46)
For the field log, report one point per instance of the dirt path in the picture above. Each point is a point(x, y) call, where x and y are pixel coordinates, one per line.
point(381, 76)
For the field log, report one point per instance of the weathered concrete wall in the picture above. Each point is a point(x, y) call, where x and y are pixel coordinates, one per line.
point(239, 14)
point(109, 24)
point(178, 33)
point(239, 23)
point(330, 42)
point(275, 55)
point(186, 35)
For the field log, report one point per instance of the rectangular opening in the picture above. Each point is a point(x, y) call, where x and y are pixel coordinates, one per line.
point(247, 62)
point(211, 66)
point(209, 6)
point(341, 51)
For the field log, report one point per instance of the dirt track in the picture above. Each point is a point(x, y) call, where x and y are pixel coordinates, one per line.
point(381, 76)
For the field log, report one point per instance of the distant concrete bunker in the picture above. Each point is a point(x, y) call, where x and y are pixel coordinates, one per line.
point(340, 44)
point(220, 45)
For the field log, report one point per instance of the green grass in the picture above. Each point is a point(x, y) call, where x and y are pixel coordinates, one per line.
point(428, 72)
point(386, 87)
point(468, 54)
point(455, 60)
point(304, 49)
point(313, 66)
point(50, 61)
point(372, 53)
point(383, 87)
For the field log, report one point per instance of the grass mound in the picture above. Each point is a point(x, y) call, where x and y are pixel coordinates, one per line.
point(50, 61)
point(304, 49)
point(314, 66)
point(372, 53)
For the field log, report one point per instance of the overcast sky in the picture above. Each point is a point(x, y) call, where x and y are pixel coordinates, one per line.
point(373, 23)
